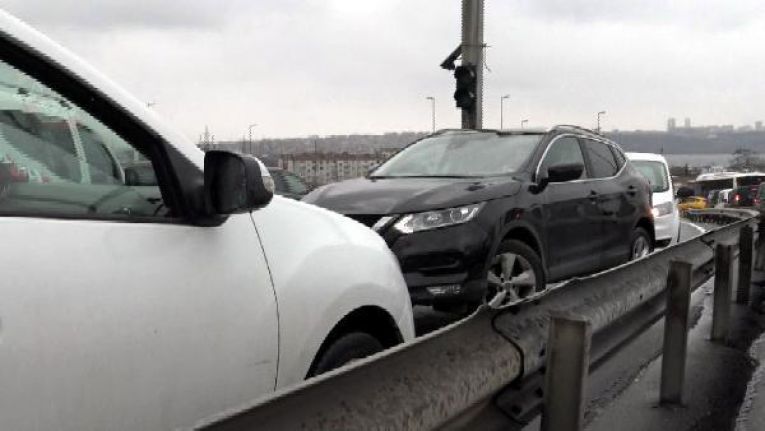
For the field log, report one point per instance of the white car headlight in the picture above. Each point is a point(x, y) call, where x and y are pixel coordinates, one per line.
point(428, 220)
point(662, 209)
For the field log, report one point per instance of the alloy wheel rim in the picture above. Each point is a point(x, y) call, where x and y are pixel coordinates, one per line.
point(512, 273)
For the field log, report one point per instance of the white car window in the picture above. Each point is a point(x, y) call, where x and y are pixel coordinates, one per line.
point(58, 160)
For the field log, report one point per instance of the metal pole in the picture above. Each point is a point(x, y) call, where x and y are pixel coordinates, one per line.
point(472, 53)
point(502, 111)
point(745, 255)
point(675, 332)
point(599, 114)
point(249, 131)
point(568, 360)
point(722, 295)
point(432, 112)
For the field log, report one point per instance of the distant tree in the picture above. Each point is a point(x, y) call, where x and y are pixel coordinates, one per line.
point(684, 171)
point(745, 159)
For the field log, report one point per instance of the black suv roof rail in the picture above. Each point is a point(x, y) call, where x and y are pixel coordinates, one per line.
point(497, 131)
point(579, 128)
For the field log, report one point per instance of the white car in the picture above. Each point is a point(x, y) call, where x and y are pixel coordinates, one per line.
point(666, 215)
point(723, 199)
point(149, 307)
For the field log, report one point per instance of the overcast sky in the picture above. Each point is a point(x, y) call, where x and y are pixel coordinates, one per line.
point(303, 67)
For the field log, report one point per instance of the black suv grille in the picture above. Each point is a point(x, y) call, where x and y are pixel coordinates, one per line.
point(365, 219)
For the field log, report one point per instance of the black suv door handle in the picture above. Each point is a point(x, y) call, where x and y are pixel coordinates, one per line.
point(593, 195)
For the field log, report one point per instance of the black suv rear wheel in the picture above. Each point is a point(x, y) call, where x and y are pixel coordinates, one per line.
point(640, 244)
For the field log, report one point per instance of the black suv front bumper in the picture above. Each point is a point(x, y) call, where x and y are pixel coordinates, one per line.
point(443, 266)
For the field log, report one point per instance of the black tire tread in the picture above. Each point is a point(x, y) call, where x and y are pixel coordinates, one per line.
point(354, 345)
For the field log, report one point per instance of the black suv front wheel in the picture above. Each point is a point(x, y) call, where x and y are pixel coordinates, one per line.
point(516, 269)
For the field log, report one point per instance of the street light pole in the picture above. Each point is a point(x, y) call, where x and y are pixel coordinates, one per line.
point(502, 110)
point(523, 122)
point(432, 112)
point(249, 134)
point(599, 114)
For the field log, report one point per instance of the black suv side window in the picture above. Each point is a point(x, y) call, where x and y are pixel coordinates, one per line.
point(563, 150)
point(620, 157)
point(602, 161)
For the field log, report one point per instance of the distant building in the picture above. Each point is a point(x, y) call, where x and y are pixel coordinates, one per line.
point(687, 123)
point(758, 125)
point(671, 125)
point(324, 168)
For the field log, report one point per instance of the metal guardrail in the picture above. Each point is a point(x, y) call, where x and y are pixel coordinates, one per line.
point(719, 215)
point(492, 359)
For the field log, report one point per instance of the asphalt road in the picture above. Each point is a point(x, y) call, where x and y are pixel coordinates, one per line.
point(427, 320)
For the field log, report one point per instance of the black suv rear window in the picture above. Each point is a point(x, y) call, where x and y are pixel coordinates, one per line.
point(602, 160)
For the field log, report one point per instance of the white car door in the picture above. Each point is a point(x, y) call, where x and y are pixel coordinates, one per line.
point(116, 313)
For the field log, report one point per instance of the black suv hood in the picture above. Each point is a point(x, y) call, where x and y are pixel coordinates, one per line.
point(406, 195)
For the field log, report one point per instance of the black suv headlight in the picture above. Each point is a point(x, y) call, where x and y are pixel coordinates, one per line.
point(428, 220)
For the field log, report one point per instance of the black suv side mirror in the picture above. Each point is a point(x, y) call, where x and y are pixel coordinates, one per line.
point(234, 183)
point(562, 172)
point(557, 173)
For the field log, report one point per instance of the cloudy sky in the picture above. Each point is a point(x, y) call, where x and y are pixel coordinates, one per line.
point(303, 67)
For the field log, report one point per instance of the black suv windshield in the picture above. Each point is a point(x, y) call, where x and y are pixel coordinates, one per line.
point(461, 155)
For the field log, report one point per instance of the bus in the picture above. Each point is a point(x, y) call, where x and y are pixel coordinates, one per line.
point(706, 183)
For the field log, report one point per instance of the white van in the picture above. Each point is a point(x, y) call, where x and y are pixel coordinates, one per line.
point(665, 212)
point(723, 200)
point(157, 302)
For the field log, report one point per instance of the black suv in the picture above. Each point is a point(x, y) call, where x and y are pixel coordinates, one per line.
point(471, 213)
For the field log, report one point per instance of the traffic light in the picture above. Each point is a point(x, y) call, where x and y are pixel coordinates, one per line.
point(467, 79)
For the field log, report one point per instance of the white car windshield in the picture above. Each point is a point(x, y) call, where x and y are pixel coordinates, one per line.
point(461, 155)
point(655, 172)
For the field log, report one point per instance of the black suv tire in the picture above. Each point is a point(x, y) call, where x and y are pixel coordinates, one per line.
point(639, 235)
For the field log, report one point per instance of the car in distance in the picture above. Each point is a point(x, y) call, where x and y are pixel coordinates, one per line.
point(666, 216)
point(288, 184)
point(147, 285)
point(692, 203)
point(745, 196)
point(469, 213)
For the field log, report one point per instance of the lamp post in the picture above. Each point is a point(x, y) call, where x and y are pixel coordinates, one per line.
point(432, 112)
point(523, 123)
point(599, 114)
point(502, 110)
point(249, 134)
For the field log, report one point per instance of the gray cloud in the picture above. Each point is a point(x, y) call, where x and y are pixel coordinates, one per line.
point(341, 66)
point(103, 14)
point(702, 14)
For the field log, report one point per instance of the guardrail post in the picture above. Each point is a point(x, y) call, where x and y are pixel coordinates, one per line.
point(745, 247)
point(675, 332)
point(568, 360)
point(722, 295)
